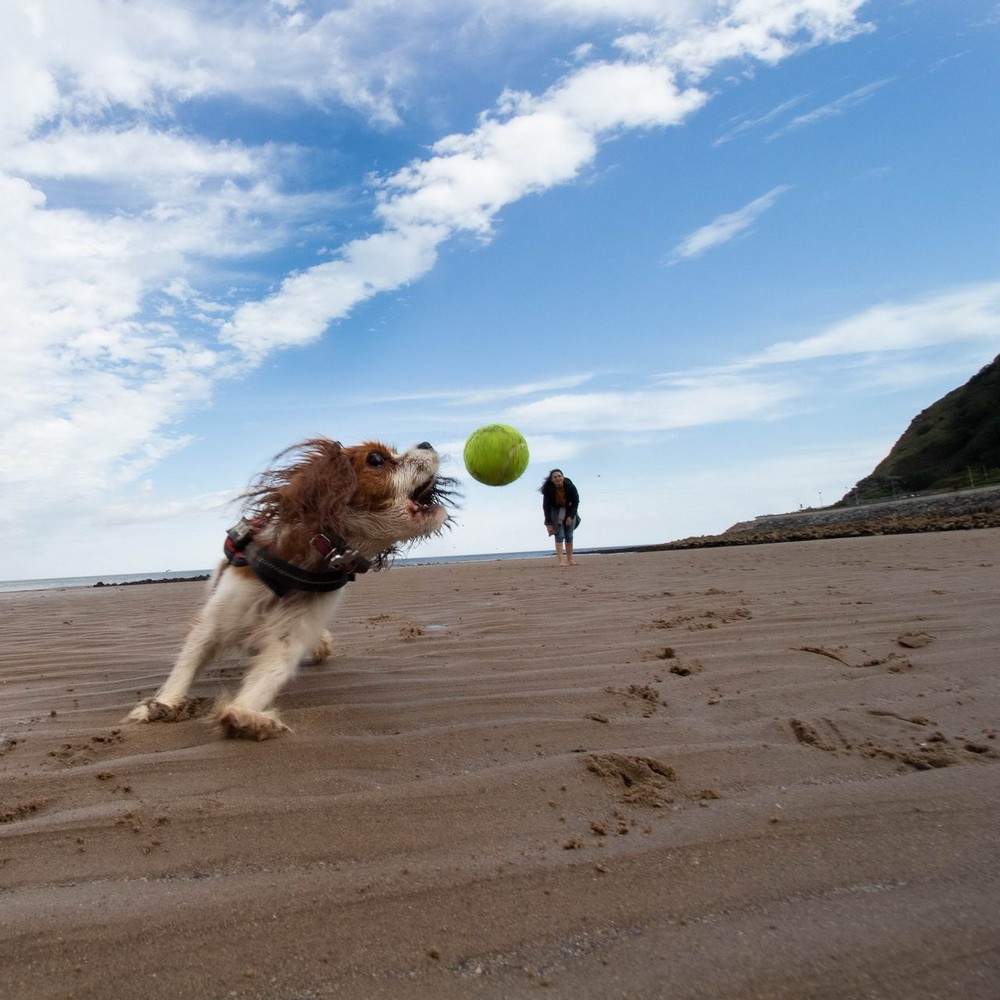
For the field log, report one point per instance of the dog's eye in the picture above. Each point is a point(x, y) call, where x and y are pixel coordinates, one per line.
point(376, 459)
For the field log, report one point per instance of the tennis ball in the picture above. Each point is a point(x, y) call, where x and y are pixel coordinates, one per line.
point(496, 454)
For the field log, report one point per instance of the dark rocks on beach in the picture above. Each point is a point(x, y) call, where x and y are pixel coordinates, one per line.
point(958, 511)
point(170, 579)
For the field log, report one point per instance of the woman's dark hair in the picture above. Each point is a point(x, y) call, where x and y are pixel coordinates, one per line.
point(548, 479)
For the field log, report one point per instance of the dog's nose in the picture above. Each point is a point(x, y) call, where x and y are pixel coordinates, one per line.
point(425, 446)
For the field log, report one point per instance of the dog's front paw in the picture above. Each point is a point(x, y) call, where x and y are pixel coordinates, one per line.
point(152, 710)
point(140, 713)
point(238, 722)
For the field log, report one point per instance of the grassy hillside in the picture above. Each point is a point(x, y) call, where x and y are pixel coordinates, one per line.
point(954, 443)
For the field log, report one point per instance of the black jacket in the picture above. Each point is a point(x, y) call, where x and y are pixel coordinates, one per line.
point(548, 500)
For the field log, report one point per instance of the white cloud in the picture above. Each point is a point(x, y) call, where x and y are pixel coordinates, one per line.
point(652, 11)
point(473, 176)
point(532, 144)
point(725, 228)
point(136, 154)
point(83, 59)
point(962, 314)
point(308, 302)
point(759, 30)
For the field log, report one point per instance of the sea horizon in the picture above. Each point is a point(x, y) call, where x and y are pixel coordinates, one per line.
point(120, 579)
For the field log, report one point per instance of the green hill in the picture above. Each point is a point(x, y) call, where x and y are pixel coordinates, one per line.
point(953, 444)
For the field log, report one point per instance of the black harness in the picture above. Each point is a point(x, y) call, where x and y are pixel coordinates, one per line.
point(282, 577)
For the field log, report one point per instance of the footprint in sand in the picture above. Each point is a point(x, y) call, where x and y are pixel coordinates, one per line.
point(640, 780)
point(921, 754)
point(915, 640)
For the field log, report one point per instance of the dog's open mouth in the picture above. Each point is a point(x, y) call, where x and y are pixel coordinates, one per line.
point(426, 499)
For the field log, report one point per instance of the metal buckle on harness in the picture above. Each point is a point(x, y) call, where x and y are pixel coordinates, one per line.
point(349, 561)
point(240, 533)
point(338, 557)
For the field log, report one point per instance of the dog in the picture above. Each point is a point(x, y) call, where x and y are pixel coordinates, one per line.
point(319, 515)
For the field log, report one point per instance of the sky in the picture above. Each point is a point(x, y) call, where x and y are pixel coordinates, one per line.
point(709, 256)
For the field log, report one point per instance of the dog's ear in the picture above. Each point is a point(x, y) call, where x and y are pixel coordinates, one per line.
point(322, 484)
point(310, 491)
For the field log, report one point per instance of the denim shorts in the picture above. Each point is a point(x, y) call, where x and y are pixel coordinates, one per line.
point(564, 532)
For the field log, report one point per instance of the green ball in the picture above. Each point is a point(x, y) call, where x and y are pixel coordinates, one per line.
point(496, 455)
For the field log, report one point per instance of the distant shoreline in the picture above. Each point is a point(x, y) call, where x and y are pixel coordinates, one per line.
point(847, 527)
point(912, 516)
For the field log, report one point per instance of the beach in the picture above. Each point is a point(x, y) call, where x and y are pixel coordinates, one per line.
point(765, 771)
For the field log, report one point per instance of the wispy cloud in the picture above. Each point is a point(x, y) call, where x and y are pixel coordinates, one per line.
point(785, 378)
point(749, 124)
point(833, 109)
point(688, 401)
point(474, 397)
point(956, 315)
point(725, 228)
point(991, 19)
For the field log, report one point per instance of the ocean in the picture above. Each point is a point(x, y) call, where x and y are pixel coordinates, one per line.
point(107, 580)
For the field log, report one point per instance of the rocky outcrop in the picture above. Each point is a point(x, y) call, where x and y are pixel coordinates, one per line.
point(956, 511)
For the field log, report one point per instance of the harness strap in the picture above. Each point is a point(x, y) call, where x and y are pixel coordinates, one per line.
point(282, 577)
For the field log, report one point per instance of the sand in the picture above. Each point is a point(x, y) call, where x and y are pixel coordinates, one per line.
point(763, 772)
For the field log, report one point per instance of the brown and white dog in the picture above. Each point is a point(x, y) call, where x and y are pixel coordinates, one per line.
point(308, 525)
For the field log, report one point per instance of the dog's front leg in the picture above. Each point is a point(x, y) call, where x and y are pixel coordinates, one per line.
point(249, 715)
point(171, 702)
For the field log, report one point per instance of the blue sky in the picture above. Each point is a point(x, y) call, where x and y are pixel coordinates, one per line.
point(710, 256)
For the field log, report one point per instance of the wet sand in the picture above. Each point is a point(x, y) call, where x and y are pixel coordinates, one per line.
point(758, 772)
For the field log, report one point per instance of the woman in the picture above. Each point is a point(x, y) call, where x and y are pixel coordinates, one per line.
point(560, 501)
